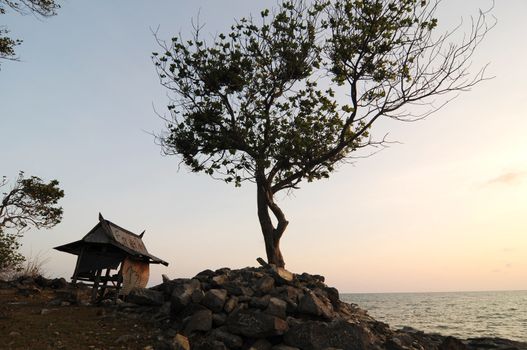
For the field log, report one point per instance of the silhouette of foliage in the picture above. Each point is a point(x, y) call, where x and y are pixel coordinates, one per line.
point(30, 202)
point(42, 8)
point(290, 95)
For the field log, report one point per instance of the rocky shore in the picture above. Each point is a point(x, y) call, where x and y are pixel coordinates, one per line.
point(269, 308)
point(261, 308)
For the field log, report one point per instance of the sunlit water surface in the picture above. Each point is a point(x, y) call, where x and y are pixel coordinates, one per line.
point(460, 314)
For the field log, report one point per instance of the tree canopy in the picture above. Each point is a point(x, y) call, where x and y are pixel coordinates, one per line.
point(42, 8)
point(30, 202)
point(290, 95)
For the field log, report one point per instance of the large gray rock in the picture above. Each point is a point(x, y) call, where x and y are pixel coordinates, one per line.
point(219, 280)
point(276, 307)
point(230, 304)
point(265, 284)
point(200, 321)
point(219, 319)
point(205, 275)
point(181, 297)
point(231, 340)
point(292, 293)
point(214, 299)
point(183, 294)
point(260, 302)
point(255, 324)
point(144, 296)
point(312, 304)
point(168, 285)
point(197, 295)
point(333, 295)
point(59, 283)
point(495, 343)
point(451, 343)
point(315, 335)
point(237, 289)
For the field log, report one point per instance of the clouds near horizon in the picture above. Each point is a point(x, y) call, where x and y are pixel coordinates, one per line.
point(508, 178)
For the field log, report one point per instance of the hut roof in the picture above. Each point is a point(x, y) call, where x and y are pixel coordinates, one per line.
point(107, 233)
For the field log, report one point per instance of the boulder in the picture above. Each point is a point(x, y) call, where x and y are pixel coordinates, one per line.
point(255, 324)
point(167, 287)
point(188, 311)
point(223, 271)
point(43, 282)
point(237, 289)
point(265, 284)
point(451, 343)
point(144, 296)
point(230, 340)
point(230, 304)
point(315, 335)
point(312, 304)
point(219, 280)
point(204, 275)
point(495, 343)
point(234, 288)
point(214, 299)
point(200, 321)
point(394, 344)
point(181, 297)
point(59, 283)
point(260, 303)
point(333, 295)
point(292, 293)
point(276, 307)
point(219, 319)
point(197, 295)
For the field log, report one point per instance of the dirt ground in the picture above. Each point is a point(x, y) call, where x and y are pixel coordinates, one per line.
point(28, 322)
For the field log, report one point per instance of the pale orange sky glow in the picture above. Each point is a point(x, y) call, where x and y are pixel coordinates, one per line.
point(444, 210)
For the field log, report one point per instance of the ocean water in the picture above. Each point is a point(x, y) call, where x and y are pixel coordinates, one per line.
point(460, 314)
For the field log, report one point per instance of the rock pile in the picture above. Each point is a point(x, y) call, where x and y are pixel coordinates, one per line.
point(269, 308)
point(63, 292)
point(265, 308)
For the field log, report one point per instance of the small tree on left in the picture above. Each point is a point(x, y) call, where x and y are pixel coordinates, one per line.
point(29, 202)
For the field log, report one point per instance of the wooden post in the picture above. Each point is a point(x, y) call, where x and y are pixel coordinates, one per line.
point(105, 283)
point(95, 285)
point(75, 273)
point(119, 279)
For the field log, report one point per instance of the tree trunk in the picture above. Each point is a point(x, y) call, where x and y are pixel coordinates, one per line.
point(271, 234)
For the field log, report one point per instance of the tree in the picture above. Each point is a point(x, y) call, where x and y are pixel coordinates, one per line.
point(42, 8)
point(290, 96)
point(10, 258)
point(29, 203)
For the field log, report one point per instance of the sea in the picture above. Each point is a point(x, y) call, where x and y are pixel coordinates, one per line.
point(460, 314)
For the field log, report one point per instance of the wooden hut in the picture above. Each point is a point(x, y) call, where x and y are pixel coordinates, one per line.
point(110, 256)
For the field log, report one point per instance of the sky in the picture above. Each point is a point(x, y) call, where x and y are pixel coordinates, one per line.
point(442, 210)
